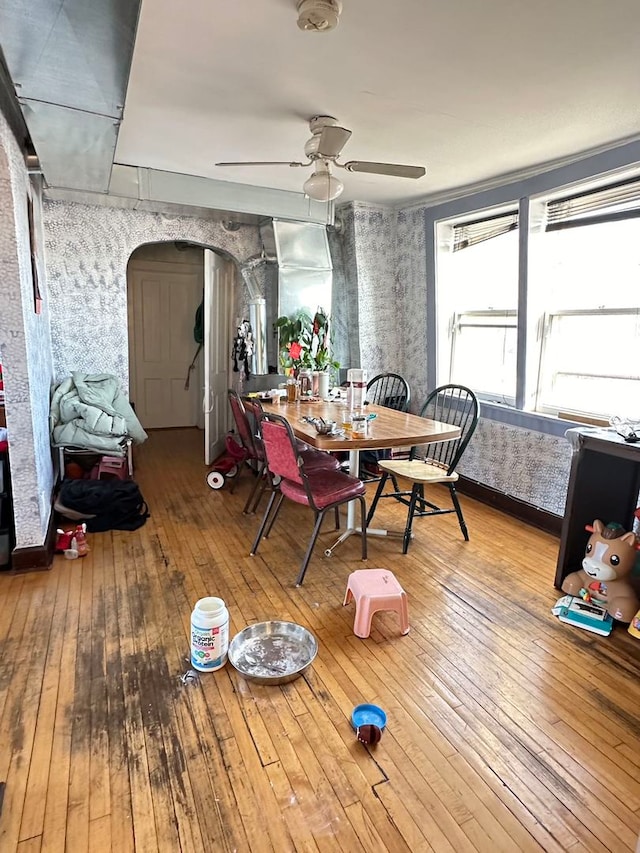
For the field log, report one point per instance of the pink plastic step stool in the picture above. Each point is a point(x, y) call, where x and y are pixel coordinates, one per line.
point(113, 467)
point(373, 590)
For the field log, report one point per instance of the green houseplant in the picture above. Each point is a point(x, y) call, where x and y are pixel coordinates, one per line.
point(305, 341)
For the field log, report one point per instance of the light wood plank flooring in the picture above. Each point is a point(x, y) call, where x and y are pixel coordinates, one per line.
point(506, 729)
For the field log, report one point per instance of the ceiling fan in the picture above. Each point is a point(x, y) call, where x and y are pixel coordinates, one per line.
point(322, 150)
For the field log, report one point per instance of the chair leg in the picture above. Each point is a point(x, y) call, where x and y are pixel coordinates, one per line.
point(403, 613)
point(259, 484)
point(263, 524)
point(258, 495)
point(415, 491)
point(337, 519)
point(267, 480)
point(312, 542)
point(376, 498)
point(456, 503)
point(363, 524)
point(274, 514)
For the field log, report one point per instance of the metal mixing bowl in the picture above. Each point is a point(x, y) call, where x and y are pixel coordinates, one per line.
point(273, 652)
point(325, 427)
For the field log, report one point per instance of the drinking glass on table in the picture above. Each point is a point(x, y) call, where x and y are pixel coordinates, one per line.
point(345, 418)
point(358, 425)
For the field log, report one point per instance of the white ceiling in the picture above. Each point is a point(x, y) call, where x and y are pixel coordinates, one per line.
point(472, 90)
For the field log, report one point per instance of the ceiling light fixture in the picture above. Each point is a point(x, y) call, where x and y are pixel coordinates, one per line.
point(318, 16)
point(322, 186)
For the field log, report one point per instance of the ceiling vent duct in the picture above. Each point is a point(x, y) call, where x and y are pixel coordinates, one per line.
point(305, 271)
point(70, 61)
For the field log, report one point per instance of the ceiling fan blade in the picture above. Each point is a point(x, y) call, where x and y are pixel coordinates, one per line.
point(265, 163)
point(393, 169)
point(332, 140)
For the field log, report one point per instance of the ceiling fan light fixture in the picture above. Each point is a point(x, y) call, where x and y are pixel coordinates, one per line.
point(323, 150)
point(311, 146)
point(322, 185)
point(318, 16)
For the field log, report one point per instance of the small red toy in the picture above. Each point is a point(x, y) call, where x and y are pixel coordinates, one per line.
point(228, 464)
point(72, 542)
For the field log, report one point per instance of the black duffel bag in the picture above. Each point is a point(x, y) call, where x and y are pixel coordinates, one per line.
point(105, 504)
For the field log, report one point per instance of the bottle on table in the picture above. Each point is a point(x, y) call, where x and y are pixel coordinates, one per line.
point(356, 387)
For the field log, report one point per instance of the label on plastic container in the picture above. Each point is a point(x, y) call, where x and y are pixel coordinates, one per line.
point(209, 646)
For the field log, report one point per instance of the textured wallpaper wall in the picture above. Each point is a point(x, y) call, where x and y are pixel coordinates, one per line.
point(378, 298)
point(25, 348)
point(88, 249)
point(530, 466)
point(344, 307)
point(411, 279)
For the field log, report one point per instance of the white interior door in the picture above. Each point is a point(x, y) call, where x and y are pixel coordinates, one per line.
point(162, 302)
point(218, 293)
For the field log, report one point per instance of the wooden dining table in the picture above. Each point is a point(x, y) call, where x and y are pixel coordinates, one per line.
point(386, 428)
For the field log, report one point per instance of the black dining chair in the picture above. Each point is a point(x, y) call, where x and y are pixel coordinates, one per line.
point(392, 391)
point(320, 489)
point(451, 404)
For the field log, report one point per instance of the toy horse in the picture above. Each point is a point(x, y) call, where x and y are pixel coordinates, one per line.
point(609, 559)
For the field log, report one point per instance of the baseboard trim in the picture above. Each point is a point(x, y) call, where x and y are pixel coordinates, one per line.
point(36, 558)
point(511, 506)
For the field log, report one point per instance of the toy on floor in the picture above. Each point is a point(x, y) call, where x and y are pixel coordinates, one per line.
point(609, 559)
point(72, 543)
point(227, 465)
point(368, 721)
point(587, 615)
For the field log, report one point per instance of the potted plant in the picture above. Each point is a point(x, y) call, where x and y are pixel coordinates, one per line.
point(294, 340)
point(305, 341)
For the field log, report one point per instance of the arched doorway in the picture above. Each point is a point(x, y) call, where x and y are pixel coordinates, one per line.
point(171, 386)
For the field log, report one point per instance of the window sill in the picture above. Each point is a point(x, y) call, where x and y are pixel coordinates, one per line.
point(547, 424)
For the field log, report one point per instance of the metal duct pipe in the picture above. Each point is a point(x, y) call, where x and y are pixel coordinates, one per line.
point(248, 267)
point(257, 311)
point(258, 320)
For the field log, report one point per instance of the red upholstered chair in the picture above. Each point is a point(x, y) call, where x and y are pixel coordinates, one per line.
point(320, 489)
point(246, 415)
point(247, 438)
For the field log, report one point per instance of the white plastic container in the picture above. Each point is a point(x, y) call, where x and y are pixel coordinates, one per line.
point(209, 634)
point(356, 387)
point(323, 385)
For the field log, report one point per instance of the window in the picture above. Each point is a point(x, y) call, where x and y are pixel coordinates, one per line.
point(589, 276)
point(494, 333)
point(590, 362)
point(478, 299)
point(579, 337)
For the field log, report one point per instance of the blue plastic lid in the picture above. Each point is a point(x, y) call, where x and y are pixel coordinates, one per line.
point(363, 715)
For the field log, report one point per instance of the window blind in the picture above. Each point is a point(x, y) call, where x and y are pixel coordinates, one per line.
point(617, 201)
point(470, 233)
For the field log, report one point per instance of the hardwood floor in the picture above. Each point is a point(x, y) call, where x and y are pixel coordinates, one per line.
point(507, 730)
